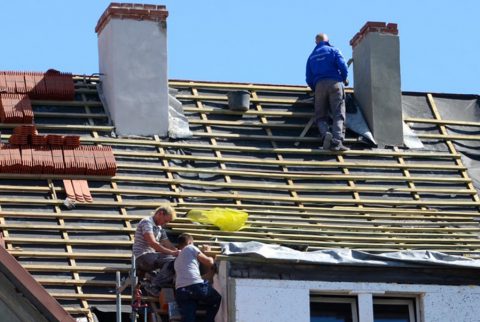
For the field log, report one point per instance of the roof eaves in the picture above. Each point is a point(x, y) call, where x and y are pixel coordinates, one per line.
point(32, 290)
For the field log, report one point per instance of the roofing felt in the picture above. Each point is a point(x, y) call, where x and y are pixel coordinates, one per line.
point(374, 200)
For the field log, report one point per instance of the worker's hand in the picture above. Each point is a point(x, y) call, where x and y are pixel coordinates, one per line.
point(346, 82)
point(175, 252)
point(205, 248)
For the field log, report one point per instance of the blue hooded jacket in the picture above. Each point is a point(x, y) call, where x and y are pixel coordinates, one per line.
point(325, 62)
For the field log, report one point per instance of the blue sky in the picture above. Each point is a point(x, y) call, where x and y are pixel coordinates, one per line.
point(255, 41)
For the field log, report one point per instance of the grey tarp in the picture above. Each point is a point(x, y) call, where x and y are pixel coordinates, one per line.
point(347, 256)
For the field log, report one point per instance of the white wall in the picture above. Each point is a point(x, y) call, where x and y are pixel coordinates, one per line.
point(133, 61)
point(286, 301)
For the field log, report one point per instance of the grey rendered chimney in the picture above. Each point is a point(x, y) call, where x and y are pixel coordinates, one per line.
point(132, 46)
point(377, 82)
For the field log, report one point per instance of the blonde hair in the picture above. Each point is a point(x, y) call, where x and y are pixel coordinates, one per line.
point(167, 209)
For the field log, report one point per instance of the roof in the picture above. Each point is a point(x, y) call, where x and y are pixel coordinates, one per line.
point(20, 289)
point(373, 200)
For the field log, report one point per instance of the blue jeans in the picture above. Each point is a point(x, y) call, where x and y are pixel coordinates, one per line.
point(188, 298)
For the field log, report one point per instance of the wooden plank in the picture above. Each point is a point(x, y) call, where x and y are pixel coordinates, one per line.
point(449, 137)
point(236, 86)
point(337, 242)
point(53, 241)
point(319, 236)
point(370, 226)
point(223, 98)
point(65, 236)
point(252, 149)
point(325, 230)
point(213, 142)
point(83, 268)
point(70, 215)
point(66, 103)
point(283, 187)
point(245, 124)
point(323, 164)
point(276, 209)
point(244, 196)
point(76, 255)
point(63, 227)
point(441, 121)
point(68, 115)
point(65, 127)
point(284, 169)
point(314, 175)
point(69, 282)
point(272, 174)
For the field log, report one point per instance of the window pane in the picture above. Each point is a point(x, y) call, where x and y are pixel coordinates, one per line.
point(391, 313)
point(330, 312)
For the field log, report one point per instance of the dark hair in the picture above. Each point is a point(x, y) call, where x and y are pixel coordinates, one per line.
point(183, 239)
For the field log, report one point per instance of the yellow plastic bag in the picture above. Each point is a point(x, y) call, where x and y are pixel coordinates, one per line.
point(224, 218)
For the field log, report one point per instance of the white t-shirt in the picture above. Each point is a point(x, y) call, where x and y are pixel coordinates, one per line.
point(187, 268)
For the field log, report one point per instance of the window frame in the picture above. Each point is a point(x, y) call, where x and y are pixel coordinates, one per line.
point(330, 298)
point(394, 300)
point(411, 300)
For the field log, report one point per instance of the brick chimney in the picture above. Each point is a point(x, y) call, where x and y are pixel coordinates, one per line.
point(132, 46)
point(376, 69)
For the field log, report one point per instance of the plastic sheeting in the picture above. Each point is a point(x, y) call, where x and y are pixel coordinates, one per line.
point(451, 107)
point(347, 256)
point(178, 127)
point(410, 139)
point(355, 120)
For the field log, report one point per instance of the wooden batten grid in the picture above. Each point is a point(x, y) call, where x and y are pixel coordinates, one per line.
point(366, 199)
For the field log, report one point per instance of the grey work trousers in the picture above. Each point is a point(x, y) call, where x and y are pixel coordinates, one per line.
point(152, 261)
point(330, 97)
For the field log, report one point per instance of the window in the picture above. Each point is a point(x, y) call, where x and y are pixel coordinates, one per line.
point(330, 308)
point(333, 309)
point(393, 310)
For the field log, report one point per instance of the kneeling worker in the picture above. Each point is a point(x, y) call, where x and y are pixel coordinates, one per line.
point(153, 249)
point(190, 287)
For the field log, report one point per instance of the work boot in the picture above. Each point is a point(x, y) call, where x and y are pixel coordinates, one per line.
point(338, 146)
point(327, 141)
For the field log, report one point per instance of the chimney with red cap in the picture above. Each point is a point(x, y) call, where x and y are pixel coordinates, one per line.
point(132, 46)
point(376, 69)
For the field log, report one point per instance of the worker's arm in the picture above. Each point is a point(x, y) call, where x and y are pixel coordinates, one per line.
point(205, 260)
point(309, 76)
point(159, 247)
point(168, 244)
point(342, 66)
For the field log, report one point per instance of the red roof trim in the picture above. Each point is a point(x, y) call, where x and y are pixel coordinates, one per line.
point(374, 26)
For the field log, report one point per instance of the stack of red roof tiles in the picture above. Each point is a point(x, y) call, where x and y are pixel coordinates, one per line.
point(52, 85)
point(77, 190)
point(17, 88)
point(15, 108)
point(29, 152)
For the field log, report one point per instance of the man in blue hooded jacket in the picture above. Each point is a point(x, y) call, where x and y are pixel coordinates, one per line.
point(326, 74)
